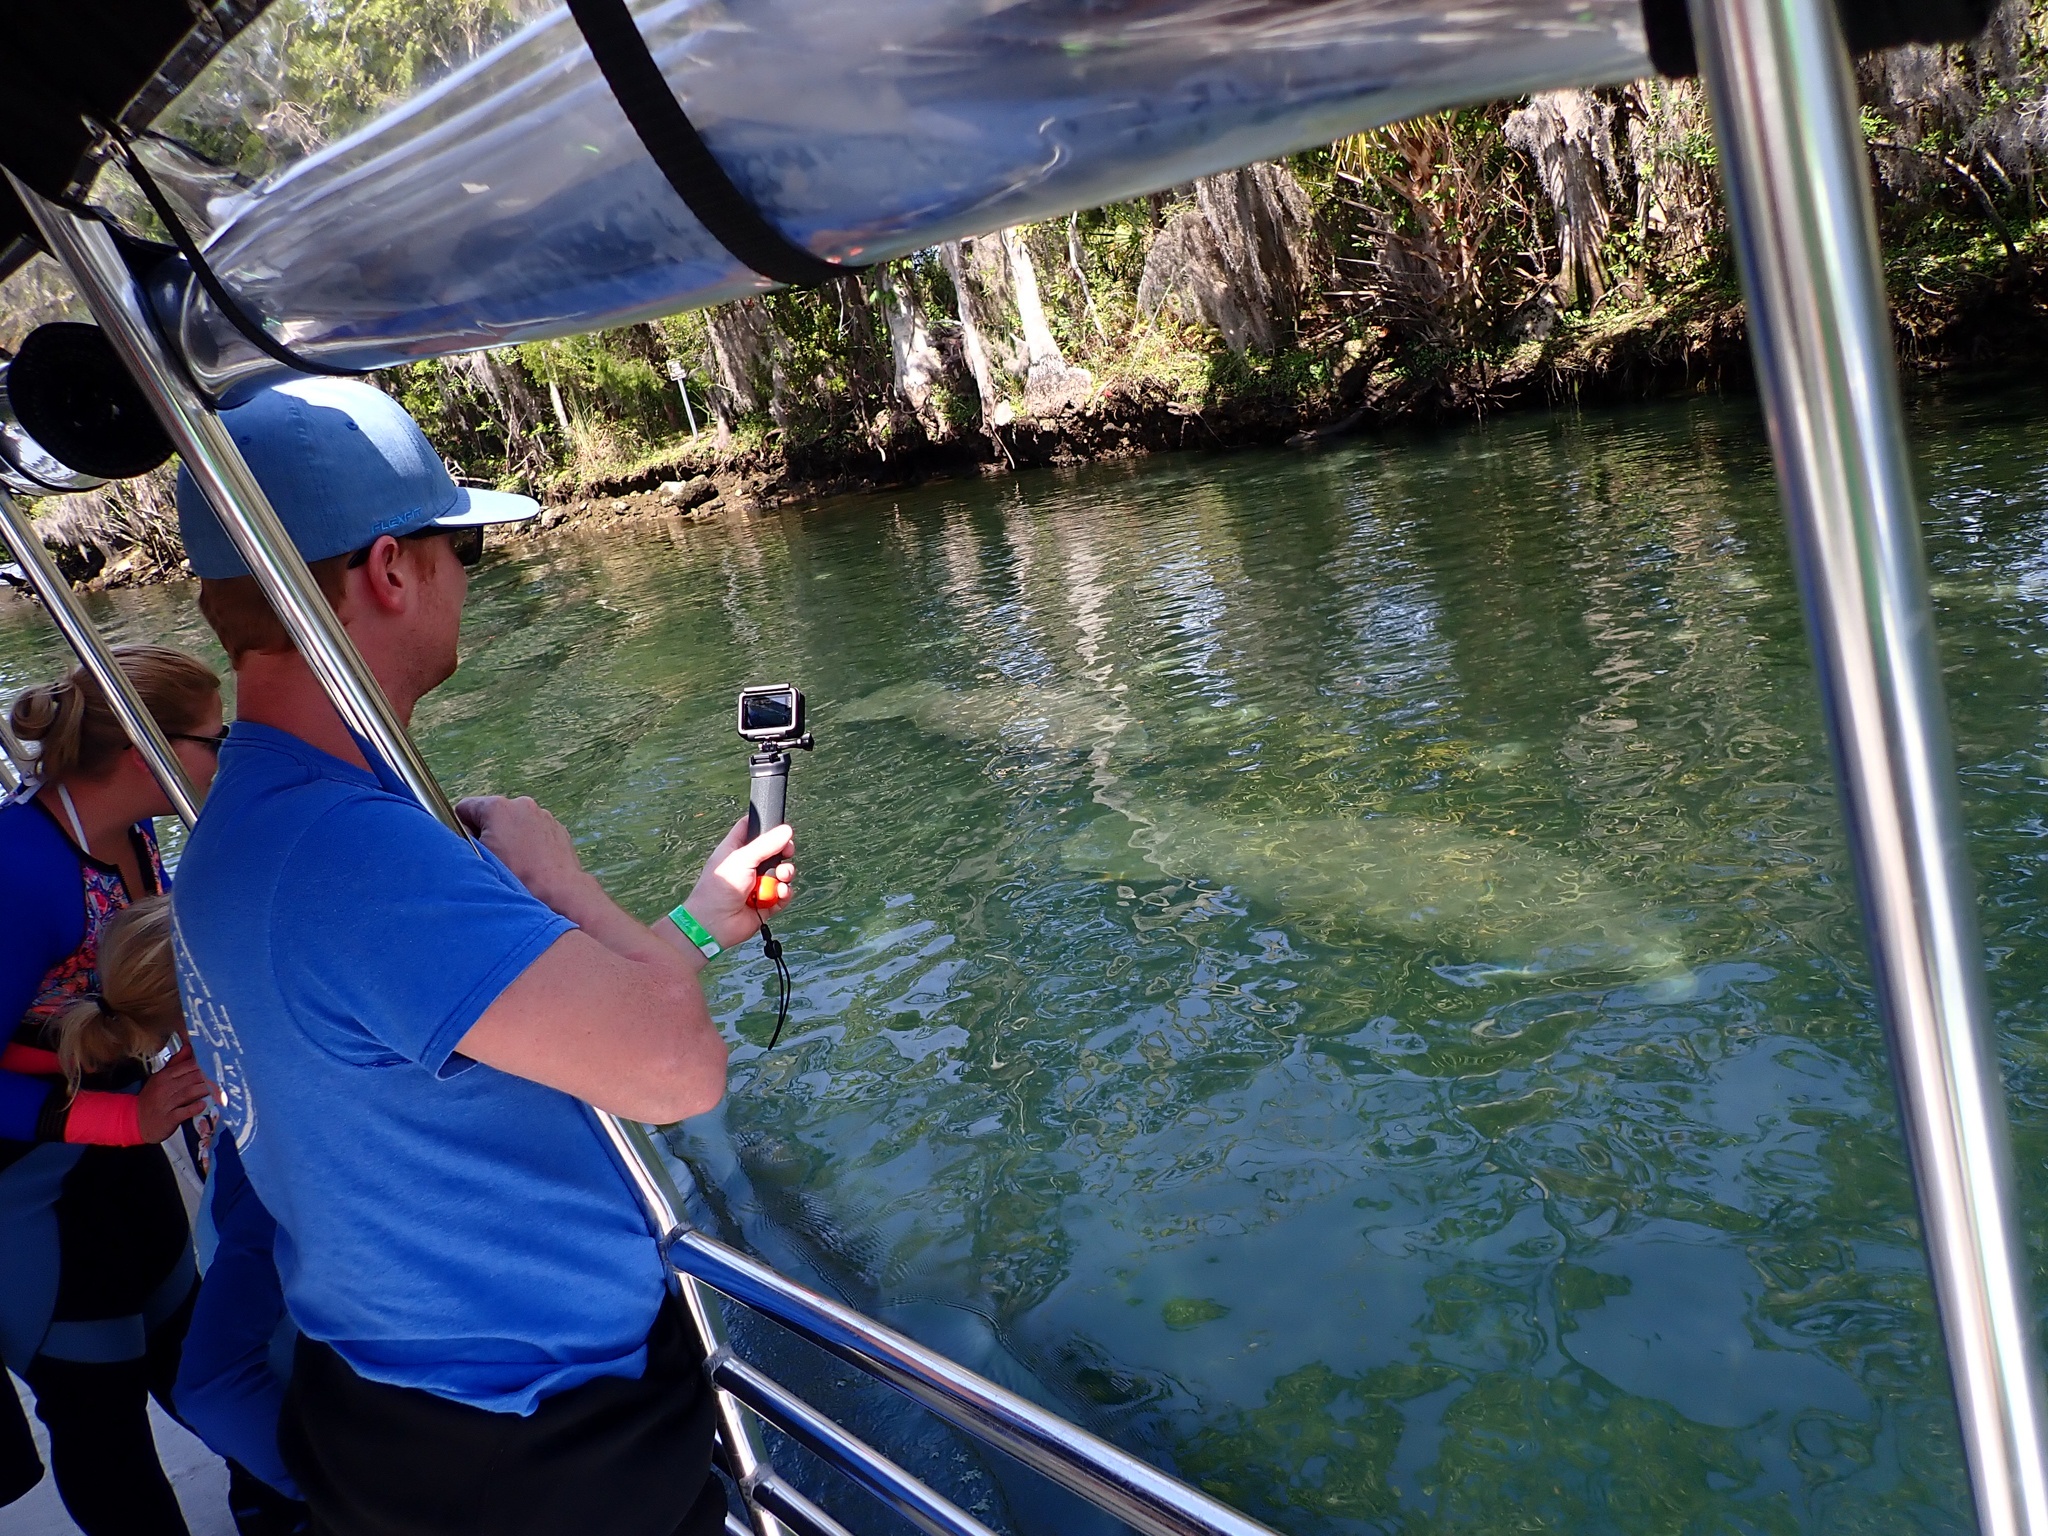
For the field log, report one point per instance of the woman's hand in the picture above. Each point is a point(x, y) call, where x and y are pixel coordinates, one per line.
point(726, 898)
point(172, 1096)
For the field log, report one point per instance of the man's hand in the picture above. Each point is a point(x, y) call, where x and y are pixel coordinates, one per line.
point(534, 846)
point(172, 1096)
point(611, 1013)
point(724, 898)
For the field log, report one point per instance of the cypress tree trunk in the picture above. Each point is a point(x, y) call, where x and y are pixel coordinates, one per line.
point(1238, 260)
point(1570, 137)
point(1677, 200)
point(1049, 383)
point(973, 340)
point(917, 366)
point(742, 346)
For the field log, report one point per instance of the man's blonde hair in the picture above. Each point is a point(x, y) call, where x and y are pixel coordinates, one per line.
point(242, 616)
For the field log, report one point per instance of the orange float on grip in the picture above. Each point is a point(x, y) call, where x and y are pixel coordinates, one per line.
point(764, 891)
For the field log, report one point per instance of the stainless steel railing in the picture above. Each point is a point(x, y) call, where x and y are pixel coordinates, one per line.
point(1138, 1494)
point(14, 761)
point(1797, 179)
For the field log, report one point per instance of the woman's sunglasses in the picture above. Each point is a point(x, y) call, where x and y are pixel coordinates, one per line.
point(211, 743)
point(468, 544)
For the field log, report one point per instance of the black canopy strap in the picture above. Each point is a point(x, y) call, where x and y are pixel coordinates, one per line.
point(251, 328)
point(672, 142)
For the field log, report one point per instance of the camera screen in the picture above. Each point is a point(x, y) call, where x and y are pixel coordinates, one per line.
point(768, 712)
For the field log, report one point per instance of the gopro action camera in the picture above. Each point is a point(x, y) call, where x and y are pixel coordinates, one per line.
point(771, 712)
point(771, 716)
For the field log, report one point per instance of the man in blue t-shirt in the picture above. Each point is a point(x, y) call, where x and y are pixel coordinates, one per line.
point(401, 1030)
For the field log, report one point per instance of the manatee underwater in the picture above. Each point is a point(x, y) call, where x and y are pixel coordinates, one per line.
point(1016, 714)
point(1509, 907)
point(1502, 907)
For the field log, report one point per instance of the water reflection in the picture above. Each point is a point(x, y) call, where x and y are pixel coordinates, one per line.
point(1337, 971)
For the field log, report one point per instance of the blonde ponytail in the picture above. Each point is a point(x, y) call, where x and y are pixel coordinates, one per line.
point(51, 715)
point(75, 730)
point(137, 1009)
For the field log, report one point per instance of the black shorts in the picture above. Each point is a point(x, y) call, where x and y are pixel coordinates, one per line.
point(609, 1458)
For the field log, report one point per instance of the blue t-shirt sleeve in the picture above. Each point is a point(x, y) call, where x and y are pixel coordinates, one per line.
point(386, 919)
point(42, 919)
point(228, 1389)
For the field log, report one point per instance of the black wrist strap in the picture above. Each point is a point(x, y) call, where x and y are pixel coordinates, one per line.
point(672, 142)
point(771, 946)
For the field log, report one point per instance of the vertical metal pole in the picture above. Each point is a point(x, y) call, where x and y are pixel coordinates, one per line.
point(11, 745)
point(97, 657)
point(681, 376)
point(1797, 180)
point(738, 1431)
point(88, 253)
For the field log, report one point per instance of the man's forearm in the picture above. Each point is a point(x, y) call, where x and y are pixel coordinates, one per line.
point(585, 903)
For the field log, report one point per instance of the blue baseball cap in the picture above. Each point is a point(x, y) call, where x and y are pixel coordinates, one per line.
point(343, 464)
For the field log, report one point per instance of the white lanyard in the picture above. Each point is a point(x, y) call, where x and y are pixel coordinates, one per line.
point(77, 826)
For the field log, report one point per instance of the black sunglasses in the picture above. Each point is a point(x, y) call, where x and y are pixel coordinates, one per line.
point(468, 544)
point(212, 743)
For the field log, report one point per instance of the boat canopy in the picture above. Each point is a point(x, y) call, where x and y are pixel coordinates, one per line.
point(513, 200)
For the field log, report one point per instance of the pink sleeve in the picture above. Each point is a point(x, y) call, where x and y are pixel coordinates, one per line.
point(104, 1120)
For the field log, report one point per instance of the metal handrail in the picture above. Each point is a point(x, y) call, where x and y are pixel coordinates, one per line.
point(1797, 179)
point(775, 1496)
point(739, 1434)
point(94, 654)
point(816, 1433)
point(1135, 1492)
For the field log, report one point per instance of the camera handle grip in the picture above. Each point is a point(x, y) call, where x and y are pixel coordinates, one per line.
point(767, 806)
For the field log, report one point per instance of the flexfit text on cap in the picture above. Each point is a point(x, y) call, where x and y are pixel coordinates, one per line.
point(343, 464)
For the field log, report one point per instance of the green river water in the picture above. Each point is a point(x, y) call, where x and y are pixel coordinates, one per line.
point(1337, 971)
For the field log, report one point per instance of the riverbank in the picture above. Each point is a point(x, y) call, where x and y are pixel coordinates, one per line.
point(1988, 316)
point(1973, 310)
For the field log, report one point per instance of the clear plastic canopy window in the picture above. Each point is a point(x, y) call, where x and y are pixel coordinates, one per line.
point(511, 201)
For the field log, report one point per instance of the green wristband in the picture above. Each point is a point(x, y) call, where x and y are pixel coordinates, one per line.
point(696, 933)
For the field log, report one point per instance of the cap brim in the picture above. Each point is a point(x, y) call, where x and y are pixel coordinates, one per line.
point(484, 509)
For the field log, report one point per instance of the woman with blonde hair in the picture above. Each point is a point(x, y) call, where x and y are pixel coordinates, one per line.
point(96, 1272)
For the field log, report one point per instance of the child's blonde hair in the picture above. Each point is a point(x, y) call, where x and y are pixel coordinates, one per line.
point(137, 1010)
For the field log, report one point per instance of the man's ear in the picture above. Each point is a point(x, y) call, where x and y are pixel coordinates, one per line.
point(384, 582)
